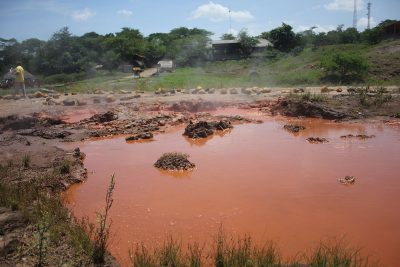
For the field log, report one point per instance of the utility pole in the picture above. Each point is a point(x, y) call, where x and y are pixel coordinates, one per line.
point(230, 22)
point(369, 15)
point(355, 15)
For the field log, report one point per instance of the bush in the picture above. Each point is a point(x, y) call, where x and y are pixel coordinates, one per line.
point(346, 65)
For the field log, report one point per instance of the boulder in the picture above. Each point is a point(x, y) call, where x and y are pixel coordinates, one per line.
point(69, 102)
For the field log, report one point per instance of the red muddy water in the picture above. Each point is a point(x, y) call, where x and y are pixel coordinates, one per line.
point(256, 179)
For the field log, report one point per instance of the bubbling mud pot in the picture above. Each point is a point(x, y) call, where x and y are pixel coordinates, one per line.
point(256, 179)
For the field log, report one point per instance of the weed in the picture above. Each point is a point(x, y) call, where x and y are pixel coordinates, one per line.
point(170, 254)
point(195, 255)
point(65, 167)
point(141, 257)
point(337, 253)
point(312, 97)
point(102, 232)
point(26, 161)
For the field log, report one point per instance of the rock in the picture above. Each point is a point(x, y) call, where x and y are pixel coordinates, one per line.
point(325, 89)
point(246, 91)
point(211, 91)
point(224, 91)
point(316, 140)
point(110, 99)
point(39, 95)
point(68, 102)
point(201, 92)
point(96, 100)
point(265, 91)
point(81, 103)
point(339, 90)
point(298, 90)
point(203, 129)
point(124, 92)
point(233, 91)
point(141, 136)
point(174, 161)
point(293, 128)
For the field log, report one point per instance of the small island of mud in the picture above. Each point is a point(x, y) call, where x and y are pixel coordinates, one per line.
point(174, 162)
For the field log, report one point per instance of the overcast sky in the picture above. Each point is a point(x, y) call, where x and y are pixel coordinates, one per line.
point(23, 19)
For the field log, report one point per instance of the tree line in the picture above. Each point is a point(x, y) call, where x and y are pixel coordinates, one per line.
point(66, 53)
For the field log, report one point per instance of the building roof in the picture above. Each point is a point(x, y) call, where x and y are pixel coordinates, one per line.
point(261, 42)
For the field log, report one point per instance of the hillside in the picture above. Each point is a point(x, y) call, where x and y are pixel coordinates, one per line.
point(286, 70)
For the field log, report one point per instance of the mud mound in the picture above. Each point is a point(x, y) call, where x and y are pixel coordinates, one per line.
point(358, 136)
point(202, 129)
point(174, 161)
point(347, 180)
point(191, 106)
point(293, 128)
point(295, 108)
point(317, 140)
point(104, 117)
point(140, 136)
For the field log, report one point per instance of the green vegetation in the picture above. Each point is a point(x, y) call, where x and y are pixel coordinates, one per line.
point(65, 167)
point(346, 65)
point(243, 252)
point(26, 160)
point(53, 225)
point(65, 58)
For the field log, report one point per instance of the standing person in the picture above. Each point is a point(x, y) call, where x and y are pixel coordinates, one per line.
point(19, 79)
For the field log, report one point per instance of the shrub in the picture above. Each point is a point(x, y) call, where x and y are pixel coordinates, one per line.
point(346, 65)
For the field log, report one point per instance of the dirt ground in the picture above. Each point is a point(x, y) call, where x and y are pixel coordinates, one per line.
point(36, 126)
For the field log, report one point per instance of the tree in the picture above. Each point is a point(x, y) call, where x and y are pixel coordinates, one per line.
point(283, 38)
point(344, 64)
point(228, 36)
point(247, 43)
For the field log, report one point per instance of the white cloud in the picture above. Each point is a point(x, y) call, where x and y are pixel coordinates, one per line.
point(216, 12)
point(317, 29)
point(345, 5)
point(125, 12)
point(82, 15)
point(363, 22)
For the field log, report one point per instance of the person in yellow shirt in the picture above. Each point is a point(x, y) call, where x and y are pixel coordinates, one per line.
point(19, 79)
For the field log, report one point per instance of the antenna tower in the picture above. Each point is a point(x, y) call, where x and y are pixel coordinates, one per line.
point(355, 15)
point(369, 15)
point(230, 21)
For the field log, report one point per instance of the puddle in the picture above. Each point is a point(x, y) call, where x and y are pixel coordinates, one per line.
point(257, 179)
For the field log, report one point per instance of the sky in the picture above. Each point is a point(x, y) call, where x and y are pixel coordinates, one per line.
point(24, 19)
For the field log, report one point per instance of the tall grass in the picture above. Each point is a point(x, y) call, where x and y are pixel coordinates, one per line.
point(243, 252)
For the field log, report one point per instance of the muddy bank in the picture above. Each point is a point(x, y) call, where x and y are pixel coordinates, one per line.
point(360, 104)
point(33, 172)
